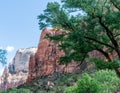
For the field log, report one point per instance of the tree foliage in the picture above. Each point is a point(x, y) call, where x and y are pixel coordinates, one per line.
point(15, 90)
point(3, 56)
point(102, 81)
point(88, 25)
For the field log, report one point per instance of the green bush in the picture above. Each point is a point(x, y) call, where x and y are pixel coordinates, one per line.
point(15, 90)
point(73, 89)
point(85, 85)
point(103, 81)
point(101, 64)
point(89, 85)
point(108, 80)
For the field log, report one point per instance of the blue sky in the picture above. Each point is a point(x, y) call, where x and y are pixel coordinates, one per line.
point(19, 24)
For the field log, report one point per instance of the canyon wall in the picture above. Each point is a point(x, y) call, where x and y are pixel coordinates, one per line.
point(34, 62)
point(45, 61)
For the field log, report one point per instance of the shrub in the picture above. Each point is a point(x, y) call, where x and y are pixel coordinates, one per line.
point(103, 81)
point(85, 85)
point(15, 90)
point(73, 89)
point(108, 80)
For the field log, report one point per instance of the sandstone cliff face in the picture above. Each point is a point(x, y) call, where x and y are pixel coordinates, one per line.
point(16, 72)
point(46, 58)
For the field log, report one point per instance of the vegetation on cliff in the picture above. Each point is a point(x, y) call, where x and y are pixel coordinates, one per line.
point(103, 81)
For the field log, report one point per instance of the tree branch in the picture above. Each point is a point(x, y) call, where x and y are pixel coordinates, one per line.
point(117, 35)
point(108, 32)
point(111, 36)
point(115, 5)
point(93, 39)
point(105, 54)
point(83, 59)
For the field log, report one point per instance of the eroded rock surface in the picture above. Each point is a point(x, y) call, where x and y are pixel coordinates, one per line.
point(16, 73)
point(46, 58)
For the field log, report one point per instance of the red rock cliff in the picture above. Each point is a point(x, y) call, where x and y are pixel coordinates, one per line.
point(46, 58)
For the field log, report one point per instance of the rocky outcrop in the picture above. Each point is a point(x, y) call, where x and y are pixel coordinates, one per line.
point(21, 60)
point(45, 61)
point(11, 80)
point(16, 72)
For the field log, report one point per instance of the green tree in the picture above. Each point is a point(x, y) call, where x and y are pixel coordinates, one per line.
point(88, 25)
point(3, 56)
point(102, 81)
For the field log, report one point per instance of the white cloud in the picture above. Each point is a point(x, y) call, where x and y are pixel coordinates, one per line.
point(1, 47)
point(9, 48)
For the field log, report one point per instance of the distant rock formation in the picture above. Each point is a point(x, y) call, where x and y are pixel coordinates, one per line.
point(16, 72)
point(21, 60)
point(45, 61)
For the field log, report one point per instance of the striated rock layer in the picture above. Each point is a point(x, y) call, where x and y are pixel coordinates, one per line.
point(45, 61)
point(16, 72)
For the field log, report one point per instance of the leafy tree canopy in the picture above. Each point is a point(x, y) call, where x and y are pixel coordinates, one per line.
point(88, 25)
point(3, 56)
